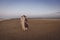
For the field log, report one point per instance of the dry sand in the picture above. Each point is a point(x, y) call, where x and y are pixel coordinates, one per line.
point(40, 29)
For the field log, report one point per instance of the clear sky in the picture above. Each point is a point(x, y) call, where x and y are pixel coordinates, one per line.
point(31, 8)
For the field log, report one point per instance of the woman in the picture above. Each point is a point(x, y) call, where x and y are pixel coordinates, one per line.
point(24, 22)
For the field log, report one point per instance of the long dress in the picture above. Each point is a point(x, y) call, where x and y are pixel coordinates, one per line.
point(24, 23)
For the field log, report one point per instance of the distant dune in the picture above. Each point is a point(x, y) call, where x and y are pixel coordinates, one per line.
point(40, 29)
point(1, 19)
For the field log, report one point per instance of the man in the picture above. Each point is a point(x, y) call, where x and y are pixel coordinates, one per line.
point(24, 22)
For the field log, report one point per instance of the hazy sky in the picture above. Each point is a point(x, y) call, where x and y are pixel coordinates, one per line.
point(31, 8)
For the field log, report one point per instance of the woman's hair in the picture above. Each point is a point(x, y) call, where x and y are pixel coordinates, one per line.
point(24, 16)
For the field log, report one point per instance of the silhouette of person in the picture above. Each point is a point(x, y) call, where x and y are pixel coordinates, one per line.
point(24, 22)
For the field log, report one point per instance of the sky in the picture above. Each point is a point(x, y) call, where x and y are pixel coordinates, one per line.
point(30, 8)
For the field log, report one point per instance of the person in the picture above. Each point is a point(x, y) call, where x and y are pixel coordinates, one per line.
point(24, 22)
